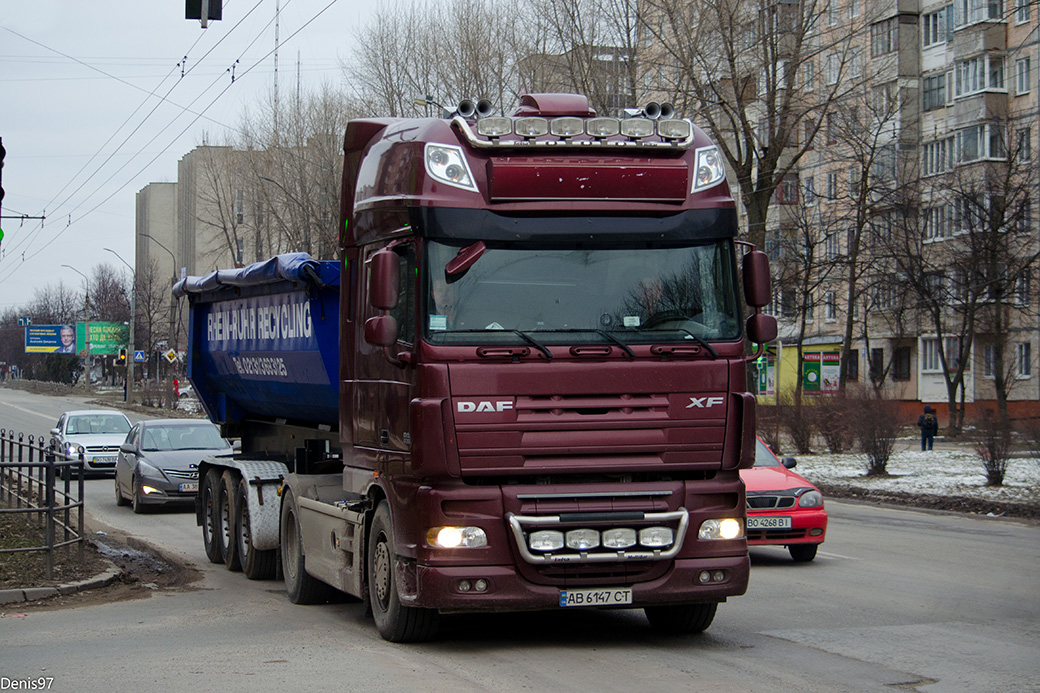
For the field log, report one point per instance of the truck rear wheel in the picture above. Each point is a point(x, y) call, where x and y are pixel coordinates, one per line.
point(394, 621)
point(225, 516)
point(208, 489)
point(681, 619)
point(302, 587)
point(256, 564)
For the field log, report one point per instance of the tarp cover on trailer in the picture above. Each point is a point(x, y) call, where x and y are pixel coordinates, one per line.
point(285, 267)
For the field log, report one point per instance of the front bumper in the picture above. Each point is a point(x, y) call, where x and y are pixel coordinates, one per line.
point(438, 587)
point(808, 526)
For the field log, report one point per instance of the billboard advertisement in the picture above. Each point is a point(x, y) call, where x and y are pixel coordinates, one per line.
point(106, 338)
point(50, 339)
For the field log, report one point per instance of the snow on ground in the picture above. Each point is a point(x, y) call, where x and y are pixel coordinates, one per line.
point(944, 471)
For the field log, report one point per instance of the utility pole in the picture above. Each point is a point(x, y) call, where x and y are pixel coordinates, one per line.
point(129, 398)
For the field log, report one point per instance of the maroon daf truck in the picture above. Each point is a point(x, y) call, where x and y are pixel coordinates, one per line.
point(522, 386)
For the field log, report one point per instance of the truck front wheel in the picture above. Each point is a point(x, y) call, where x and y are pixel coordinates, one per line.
point(394, 621)
point(681, 619)
point(302, 587)
point(208, 488)
point(256, 564)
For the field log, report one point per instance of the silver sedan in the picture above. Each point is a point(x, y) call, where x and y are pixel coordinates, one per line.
point(159, 462)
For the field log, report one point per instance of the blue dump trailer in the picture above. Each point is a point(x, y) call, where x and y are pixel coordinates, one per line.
point(263, 341)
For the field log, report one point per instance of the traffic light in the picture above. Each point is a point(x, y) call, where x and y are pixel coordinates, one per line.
point(122, 356)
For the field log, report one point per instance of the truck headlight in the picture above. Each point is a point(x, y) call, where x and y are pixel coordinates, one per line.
point(810, 499)
point(456, 537)
point(708, 169)
point(448, 165)
point(726, 528)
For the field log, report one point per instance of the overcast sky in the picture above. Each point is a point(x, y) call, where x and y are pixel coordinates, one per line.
point(83, 134)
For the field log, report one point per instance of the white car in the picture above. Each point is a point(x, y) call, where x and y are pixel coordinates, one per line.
point(94, 433)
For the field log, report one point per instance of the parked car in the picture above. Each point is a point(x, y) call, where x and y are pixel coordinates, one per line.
point(96, 433)
point(783, 509)
point(159, 462)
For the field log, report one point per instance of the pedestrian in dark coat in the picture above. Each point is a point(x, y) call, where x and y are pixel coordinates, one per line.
point(928, 422)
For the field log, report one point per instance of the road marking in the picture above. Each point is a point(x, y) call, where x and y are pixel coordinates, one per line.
point(828, 554)
point(29, 411)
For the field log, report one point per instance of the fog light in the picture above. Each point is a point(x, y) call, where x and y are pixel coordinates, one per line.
point(815, 532)
point(494, 127)
point(582, 539)
point(718, 575)
point(704, 577)
point(656, 537)
point(619, 538)
point(465, 586)
point(545, 540)
point(480, 585)
point(637, 128)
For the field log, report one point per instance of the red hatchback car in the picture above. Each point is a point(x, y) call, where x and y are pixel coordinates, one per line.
point(783, 509)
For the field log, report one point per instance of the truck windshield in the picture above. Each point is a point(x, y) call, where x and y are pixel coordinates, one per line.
point(636, 295)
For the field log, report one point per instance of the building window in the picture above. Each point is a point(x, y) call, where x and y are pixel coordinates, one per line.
point(934, 92)
point(936, 223)
point(877, 364)
point(930, 362)
point(972, 11)
point(934, 27)
point(1022, 76)
point(901, 364)
point(240, 206)
point(830, 245)
point(980, 142)
point(809, 189)
point(809, 75)
point(787, 191)
point(853, 9)
point(833, 68)
point(240, 251)
point(989, 358)
point(983, 72)
point(832, 186)
point(1023, 145)
point(1025, 360)
point(830, 306)
point(884, 37)
point(853, 369)
point(1021, 11)
point(937, 157)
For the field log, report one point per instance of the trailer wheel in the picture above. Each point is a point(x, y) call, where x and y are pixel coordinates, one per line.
point(210, 484)
point(225, 516)
point(302, 587)
point(256, 564)
point(681, 619)
point(394, 621)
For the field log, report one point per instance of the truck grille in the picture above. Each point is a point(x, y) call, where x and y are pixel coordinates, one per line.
point(768, 501)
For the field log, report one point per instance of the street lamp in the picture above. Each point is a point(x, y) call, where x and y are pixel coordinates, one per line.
point(86, 325)
point(129, 396)
point(174, 313)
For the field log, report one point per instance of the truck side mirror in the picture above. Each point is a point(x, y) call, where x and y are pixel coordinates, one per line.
point(761, 328)
point(381, 330)
point(384, 281)
point(757, 290)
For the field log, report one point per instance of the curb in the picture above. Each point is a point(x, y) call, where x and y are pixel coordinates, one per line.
point(31, 594)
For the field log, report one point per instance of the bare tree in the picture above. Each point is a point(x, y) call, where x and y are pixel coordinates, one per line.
point(762, 75)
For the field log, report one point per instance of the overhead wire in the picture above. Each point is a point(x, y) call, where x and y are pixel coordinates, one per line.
point(178, 136)
point(59, 212)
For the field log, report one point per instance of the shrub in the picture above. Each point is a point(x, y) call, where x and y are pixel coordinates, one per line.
point(875, 424)
point(834, 422)
point(992, 440)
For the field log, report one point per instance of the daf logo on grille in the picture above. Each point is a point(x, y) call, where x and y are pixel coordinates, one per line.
point(484, 406)
point(704, 402)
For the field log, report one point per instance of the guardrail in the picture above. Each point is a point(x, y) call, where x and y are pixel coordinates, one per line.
point(29, 484)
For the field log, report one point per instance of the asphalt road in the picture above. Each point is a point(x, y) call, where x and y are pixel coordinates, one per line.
point(896, 599)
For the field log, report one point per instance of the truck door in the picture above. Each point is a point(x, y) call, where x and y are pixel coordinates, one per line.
point(382, 390)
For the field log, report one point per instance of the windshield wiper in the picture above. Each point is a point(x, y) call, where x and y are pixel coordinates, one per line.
point(702, 342)
point(602, 333)
point(523, 335)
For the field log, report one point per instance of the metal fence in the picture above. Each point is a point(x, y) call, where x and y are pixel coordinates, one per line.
point(36, 480)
